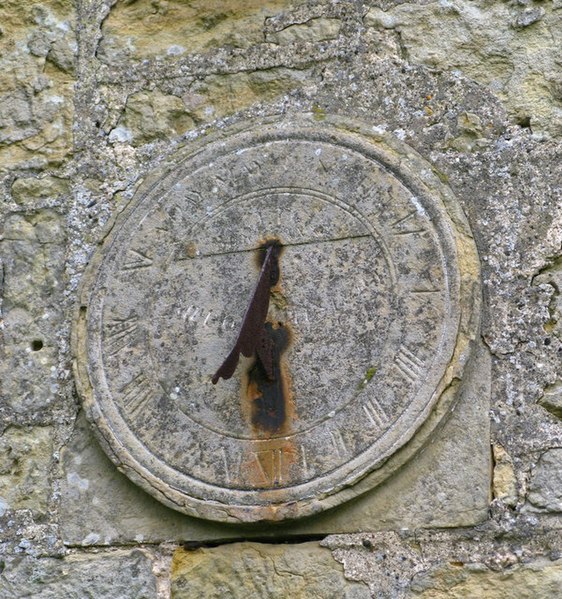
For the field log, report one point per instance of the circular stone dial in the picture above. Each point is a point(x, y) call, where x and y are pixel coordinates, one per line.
point(369, 294)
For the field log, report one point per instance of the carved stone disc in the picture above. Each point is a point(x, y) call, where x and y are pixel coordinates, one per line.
point(377, 303)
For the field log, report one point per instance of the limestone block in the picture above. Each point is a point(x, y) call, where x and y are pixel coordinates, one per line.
point(32, 191)
point(33, 261)
point(504, 480)
point(120, 574)
point(552, 399)
point(100, 506)
point(540, 578)
point(243, 570)
point(219, 95)
point(25, 458)
point(511, 48)
point(144, 28)
point(152, 115)
point(545, 489)
point(36, 68)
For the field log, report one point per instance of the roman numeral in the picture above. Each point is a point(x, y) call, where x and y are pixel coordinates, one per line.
point(136, 260)
point(231, 468)
point(252, 168)
point(427, 286)
point(271, 462)
point(136, 394)
point(164, 221)
point(304, 460)
point(403, 227)
point(338, 443)
point(375, 413)
point(121, 332)
point(366, 188)
point(410, 366)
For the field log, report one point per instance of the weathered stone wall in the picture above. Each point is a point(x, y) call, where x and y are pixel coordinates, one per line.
point(94, 94)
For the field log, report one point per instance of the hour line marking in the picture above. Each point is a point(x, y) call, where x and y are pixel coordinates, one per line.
point(408, 364)
point(120, 333)
point(137, 260)
point(375, 412)
point(399, 231)
point(338, 443)
point(136, 394)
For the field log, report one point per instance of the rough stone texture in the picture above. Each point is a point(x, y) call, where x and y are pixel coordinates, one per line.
point(545, 488)
point(304, 571)
point(501, 45)
point(408, 565)
point(39, 192)
point(173, 27)
point(36, 83)
point(25, 460)
point(120, 574)
point(33, 263)
point(314, 30)
point(100, 506)
point(539, 578)
point(474, 86)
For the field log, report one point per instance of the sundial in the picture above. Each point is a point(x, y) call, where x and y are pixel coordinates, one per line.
point(276, 316)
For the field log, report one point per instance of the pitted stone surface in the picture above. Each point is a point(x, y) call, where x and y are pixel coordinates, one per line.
point(377, 288)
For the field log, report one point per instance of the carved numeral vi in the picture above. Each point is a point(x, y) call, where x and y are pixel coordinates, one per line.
point(231, 465)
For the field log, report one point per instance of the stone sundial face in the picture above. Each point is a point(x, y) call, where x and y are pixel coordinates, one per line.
point(370, 319)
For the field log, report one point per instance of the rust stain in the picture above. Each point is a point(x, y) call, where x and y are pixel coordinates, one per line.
point(269, 405)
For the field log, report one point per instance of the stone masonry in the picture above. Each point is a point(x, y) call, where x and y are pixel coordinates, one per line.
point(97, 94)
